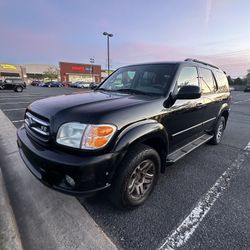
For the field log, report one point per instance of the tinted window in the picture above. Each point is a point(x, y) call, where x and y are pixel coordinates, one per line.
point(207, 81)
point(123, 80)
point(222, 82)
point(187, 76)
point(17, 81)
point(152, 79)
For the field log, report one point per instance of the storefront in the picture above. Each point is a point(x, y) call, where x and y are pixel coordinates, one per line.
point(73, 72)
point(37, 71)
point(12, 70)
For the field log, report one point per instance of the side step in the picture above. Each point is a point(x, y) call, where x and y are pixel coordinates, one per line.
point(179, 153)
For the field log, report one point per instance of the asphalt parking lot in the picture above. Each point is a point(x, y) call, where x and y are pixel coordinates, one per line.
point(226, 225)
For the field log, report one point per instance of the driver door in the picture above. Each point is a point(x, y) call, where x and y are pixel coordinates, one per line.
point(184, 118)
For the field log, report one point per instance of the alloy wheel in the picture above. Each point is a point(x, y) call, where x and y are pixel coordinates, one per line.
point(141, 180)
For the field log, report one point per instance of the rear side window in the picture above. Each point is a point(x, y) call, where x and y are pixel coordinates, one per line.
point(187, 76)
point(208, 84)
point(222, 81)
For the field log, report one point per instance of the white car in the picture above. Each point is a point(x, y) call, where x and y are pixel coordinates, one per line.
point(83, 85)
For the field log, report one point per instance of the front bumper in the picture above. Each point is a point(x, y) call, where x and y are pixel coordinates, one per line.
point(51, 166)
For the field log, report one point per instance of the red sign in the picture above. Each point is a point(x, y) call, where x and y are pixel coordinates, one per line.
point(78, 68)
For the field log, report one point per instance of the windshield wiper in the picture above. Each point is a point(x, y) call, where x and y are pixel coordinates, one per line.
point(132, 91)
point(103, 89)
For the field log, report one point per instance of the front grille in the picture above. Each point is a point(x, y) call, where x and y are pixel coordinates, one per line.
point(37, 127)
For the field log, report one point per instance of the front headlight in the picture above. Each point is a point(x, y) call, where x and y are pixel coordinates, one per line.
point(85, 136)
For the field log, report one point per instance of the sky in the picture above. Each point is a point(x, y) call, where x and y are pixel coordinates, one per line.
point(49, 31)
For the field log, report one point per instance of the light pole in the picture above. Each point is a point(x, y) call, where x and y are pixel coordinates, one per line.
point(108, 36)
point(92, 60)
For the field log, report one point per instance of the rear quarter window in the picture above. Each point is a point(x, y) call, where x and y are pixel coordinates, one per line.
point(17, 81)
point(207, 81)
point(222, 81)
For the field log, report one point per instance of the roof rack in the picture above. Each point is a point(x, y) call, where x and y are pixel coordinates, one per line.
point(197, 61)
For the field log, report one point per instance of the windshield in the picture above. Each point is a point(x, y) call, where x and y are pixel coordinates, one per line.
point(140, 79)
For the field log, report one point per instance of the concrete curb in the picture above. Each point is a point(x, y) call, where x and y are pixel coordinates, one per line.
point(9, 235)
point(45, 218)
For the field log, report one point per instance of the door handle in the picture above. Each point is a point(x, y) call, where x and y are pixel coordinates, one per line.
point(199, 105)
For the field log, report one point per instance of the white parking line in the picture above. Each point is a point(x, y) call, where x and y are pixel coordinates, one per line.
point(23, 97)
point(17, 121)
point(9, 103)
point(241, 101)
point(7, 110)
point(181, 234)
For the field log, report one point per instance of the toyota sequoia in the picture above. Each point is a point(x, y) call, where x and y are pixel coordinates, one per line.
point(123, 134)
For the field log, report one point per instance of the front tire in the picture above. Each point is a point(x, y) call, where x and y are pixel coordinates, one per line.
point(137, 176)
point(218, 131)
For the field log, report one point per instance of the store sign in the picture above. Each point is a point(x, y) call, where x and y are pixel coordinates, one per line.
point(77, 68)
point(8, 66)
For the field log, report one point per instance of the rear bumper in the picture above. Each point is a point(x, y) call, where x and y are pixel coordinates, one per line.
point(51, 166)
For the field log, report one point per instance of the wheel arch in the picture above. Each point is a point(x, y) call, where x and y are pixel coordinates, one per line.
point(148, 132)
point(224, 111)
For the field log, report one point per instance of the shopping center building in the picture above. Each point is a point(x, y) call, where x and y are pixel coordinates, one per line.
point(73, 72)
point(70, 72)
point(36, 71)
point(12, 70)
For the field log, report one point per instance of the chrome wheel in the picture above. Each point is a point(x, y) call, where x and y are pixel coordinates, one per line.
point(141, 180)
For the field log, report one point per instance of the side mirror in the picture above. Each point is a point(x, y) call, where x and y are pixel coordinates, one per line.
point(189, 92)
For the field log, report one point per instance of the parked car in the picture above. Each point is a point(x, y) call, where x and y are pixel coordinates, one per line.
point(247, 88)
point(36, 83)
point(66, 84)
point(83, 85)
point(56, 85)
point(74, 85)
point(16, 84)
point(93, 85)
point(45, 84)
point(52, 84)
point(124, 134)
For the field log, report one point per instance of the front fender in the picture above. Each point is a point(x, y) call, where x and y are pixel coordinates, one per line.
point(149, 132)
point(139, 132)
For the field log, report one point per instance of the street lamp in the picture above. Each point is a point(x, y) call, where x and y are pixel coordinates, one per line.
point(92, 60)
point(108, 36)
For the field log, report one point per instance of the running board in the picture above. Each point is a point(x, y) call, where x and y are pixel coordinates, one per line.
point(179, 153)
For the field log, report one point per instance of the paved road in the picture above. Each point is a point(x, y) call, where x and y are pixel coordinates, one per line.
point(227, 224)
point(14, 104)
point(179, 189)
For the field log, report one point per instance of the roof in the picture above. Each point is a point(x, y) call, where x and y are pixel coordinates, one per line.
point(187, 61)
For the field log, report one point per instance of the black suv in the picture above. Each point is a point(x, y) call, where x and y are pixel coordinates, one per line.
point(126, 132)
point(16, 84)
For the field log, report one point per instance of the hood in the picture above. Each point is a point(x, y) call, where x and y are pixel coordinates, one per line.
point(88, 107)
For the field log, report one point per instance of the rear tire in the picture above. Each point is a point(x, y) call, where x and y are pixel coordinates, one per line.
point(218, 131)
point(136, 177)
point(19, 89)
